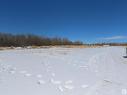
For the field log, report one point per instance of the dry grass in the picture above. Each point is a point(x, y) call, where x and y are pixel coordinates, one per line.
point(62, 46)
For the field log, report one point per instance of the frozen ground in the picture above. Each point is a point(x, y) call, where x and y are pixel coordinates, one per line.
point(63, 71)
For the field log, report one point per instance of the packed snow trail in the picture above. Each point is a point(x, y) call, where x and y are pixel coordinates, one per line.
point(63, 71)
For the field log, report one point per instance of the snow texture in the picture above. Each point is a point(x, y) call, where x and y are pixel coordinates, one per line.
point(63, 71)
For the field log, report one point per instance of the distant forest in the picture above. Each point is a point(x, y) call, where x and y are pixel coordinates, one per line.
point(7, 39)
point(109, 44)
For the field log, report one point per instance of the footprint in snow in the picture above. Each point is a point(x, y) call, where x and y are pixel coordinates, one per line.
point(69, 87)
point(4, 69)
point(84, 67)
point(23, 72)
point(39, 76)
point(69, 82)
point(0, 60)
point(61, 89)
point(12, 70)
point(0, 71)
point(55, 82)
point(28, 75)
point(40, 82)
point(53, 74)
point(84, 86)
point(124, 91)
point(74, 64)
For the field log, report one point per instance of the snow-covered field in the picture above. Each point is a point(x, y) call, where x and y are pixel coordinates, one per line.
point(63, 71)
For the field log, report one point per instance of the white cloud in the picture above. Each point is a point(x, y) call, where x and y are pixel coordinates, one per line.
point(114, 38)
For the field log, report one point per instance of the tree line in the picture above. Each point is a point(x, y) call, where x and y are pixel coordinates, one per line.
point(21, 40)
point(110, 44)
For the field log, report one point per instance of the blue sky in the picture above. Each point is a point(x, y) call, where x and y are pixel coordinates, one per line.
point(86, 20)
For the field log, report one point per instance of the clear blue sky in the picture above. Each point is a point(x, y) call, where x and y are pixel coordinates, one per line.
point(85, 20)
